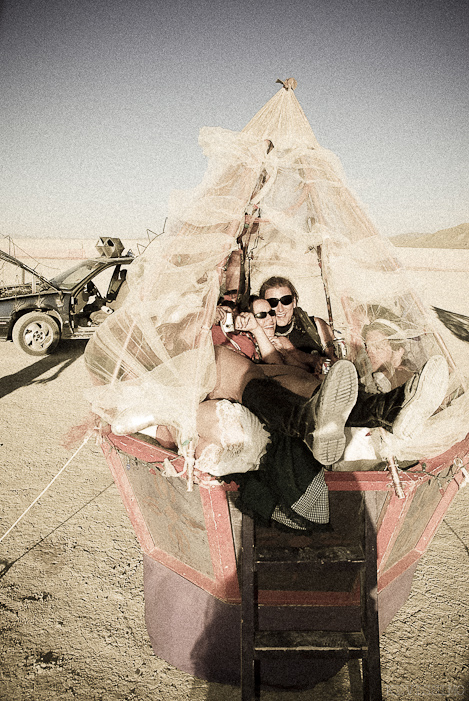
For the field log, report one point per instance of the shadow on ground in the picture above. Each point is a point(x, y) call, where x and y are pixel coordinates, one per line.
point(68, 353)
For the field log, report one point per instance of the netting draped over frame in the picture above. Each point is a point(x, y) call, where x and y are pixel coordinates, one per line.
point(155, 353)
point(273, 190)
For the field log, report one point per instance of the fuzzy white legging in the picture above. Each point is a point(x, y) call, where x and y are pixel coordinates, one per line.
point(243, 442)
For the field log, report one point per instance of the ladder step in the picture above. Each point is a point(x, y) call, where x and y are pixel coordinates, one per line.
point(284, 558)
point(321, 644)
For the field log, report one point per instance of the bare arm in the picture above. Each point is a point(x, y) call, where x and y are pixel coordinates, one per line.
point(326, 336)
point(269, 354)
point(295, 356)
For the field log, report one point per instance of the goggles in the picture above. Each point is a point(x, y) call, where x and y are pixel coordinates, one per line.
point(262, 315)
point(285, 300)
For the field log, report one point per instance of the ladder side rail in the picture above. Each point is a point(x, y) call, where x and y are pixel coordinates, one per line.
point(372, 689)
point(248, 609)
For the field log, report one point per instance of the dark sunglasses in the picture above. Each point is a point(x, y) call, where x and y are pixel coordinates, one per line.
point(285, 300)
point(262, 315)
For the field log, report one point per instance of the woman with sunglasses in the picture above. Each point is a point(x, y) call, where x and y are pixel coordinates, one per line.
point(311, 336)
point(260, 321)
point(283, 297)
point(248, 335)
point(266, 317)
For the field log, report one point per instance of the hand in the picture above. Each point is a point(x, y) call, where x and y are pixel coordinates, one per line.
point(220, 315)
point(316, 364)
point(246, 322)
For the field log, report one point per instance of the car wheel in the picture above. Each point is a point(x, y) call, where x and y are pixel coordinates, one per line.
point(36, 333)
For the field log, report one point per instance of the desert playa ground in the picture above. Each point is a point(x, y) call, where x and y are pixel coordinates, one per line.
point(71, 589)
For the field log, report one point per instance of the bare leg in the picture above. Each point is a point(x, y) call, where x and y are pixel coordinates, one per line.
point(293, 378)
point(234, 371)
point(208, 429)
point(207, 426)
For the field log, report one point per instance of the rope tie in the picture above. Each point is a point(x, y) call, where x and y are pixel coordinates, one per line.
point(46, 488)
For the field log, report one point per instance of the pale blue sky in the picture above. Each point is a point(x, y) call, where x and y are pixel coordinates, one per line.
point(102, 101)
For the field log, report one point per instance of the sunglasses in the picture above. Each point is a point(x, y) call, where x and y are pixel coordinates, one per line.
point(285, 300)
point(262, 315)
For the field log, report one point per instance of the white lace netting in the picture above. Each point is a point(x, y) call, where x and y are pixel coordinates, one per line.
point(156, 352)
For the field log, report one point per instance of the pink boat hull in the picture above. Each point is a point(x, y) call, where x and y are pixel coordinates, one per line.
point(191, 543)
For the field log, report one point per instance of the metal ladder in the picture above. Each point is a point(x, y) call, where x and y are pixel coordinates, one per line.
point(259, 644)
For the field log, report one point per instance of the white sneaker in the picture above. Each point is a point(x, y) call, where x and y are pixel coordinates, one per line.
point(424, 393)
point(333, 403)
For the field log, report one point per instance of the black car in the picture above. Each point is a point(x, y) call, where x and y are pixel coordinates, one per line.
point(36, 315)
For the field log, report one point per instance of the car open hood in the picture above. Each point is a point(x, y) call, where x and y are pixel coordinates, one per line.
point(11, 259)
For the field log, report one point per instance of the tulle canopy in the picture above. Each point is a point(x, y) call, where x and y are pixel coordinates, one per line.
point(275, 199)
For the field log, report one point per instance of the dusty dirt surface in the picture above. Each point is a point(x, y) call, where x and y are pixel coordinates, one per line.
point(71, 581)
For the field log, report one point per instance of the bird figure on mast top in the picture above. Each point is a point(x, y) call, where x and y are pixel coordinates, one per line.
point(288, 84)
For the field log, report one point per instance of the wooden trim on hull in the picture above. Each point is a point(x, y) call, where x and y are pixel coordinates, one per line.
point(405, 526)
point(217, 521)
point(425, 539)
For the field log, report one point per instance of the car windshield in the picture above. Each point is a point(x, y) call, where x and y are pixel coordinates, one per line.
point(71, 277)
